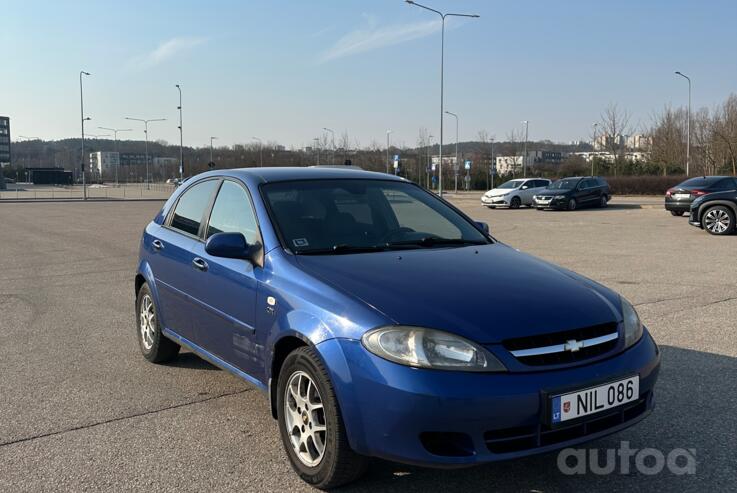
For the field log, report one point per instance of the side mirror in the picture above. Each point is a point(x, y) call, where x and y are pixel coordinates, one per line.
point(483, 226)
point(525, 187)
point(229, 245)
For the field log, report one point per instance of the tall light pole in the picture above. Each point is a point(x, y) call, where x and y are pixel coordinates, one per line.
point(145, 131)
point(211, 139)
point(442, 56)
point(115, 133)
point(388, 133)
point(317, 146)
point(492, 166)
point(181, 137)
point(455, 168)
point(593, 147)
point(524, 157)
point(260, 151)
point(688, 124)
point(429, 161)
point(81, 111)
point(332, 133)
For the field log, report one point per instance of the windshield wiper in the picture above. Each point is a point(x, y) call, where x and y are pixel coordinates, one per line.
point(345, 248)
point(430, 241)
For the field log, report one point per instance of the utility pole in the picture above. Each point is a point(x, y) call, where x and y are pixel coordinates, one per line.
point(81, 110)
point(115, 133)
point(388, 132)
point(181, 138)
point(688, 124)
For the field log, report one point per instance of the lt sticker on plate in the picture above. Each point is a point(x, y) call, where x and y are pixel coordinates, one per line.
point(300, 242)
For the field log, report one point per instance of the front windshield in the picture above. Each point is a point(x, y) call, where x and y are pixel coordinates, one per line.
point(565, 184)
point(347, 216)
point(511, 184)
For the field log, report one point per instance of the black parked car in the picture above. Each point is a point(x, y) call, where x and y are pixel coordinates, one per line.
point(679, 198)
point(715, 212)
point(572, 193)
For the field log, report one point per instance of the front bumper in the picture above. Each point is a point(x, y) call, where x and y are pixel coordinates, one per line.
point(551, 204)
point(390, 410)
point(499, 200)
point(693, 218)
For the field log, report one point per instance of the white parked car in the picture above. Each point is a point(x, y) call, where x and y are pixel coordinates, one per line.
point(514, 193)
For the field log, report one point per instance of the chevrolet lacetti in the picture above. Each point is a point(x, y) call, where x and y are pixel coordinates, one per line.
point(381, 321)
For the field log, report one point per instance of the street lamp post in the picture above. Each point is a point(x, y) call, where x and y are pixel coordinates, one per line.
point(688, 124)
point(524, 151)
point(455, 168)
point(442, 57)
point(211, 139)
point(260, 151)
point(317, 147)
point(492, 166)
point(429, 162)
point(593, 147)
point(115, 133)
point(332, 133)
point(81, 111)
point(388, 133)
point(145, 131)
point(181, 137)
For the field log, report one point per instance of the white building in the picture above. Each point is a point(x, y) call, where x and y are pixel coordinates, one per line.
point(101, 162)
point(609, 157)
point(508, 164)
point(638, 142)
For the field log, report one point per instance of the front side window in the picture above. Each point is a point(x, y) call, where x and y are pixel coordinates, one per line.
point(343, 216)
point(232, 213)
point(191, 207)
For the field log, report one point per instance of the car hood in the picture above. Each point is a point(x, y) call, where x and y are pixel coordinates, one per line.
point(554, 191)
point(496, 192)
point(487, 293)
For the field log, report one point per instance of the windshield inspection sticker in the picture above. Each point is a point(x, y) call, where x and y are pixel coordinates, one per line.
point(300, 242)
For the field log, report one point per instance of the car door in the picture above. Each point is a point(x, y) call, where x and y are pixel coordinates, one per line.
point(171, 258)
point(526, 192)
point(226, 288)
point(588, 192)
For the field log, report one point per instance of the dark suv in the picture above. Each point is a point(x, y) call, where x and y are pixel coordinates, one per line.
point(572, 193)
point(679, 198)
point(715, 212)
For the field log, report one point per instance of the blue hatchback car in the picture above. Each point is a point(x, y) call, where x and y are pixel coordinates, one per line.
point(381, 321)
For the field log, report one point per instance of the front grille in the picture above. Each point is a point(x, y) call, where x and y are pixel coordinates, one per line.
point(559, 338)
point(544, 197)
point(530, 437)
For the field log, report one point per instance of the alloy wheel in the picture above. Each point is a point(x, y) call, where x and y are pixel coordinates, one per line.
point(147, 320)
point(304, 416)
point(717, 221)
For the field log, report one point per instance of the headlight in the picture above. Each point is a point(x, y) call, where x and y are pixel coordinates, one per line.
point(559, 197)
point(632, 323)
point(429, 348)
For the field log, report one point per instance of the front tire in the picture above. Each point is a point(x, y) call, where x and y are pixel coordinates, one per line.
point(572, 205)
point(311, 425)
point(515, 203)
point(718, 220)
point(155, 347)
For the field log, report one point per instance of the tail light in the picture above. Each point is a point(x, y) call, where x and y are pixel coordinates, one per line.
point(669, 192)
point(698, 193)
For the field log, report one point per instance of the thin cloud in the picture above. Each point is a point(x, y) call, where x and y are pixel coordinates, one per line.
point(374, 37)
point(166, 50)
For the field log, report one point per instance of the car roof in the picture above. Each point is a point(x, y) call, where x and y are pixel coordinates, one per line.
point(293, 173)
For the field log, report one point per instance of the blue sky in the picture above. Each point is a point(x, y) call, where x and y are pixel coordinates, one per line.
point(283, 70)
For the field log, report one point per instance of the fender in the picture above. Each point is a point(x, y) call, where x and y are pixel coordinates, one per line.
point(711, 203)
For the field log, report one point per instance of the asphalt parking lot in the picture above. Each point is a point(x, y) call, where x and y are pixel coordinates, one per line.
point(80, 409)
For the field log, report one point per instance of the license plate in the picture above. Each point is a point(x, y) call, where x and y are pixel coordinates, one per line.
point(542, 202)
point(681, 196)
point(593, 400)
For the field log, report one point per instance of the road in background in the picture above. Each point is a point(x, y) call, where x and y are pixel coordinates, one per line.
point(82, 410)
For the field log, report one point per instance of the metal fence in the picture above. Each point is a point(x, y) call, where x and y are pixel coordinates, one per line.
point(22, 191)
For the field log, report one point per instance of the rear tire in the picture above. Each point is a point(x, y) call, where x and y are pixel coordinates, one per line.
point(572, 204)
point(676, 213)
point(338, 464)
point(155, 347)
point(515, 203)
point(718, 220)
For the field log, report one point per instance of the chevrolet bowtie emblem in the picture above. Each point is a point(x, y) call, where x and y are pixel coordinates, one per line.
point(573, 345)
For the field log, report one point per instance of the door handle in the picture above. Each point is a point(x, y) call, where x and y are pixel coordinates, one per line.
point(199, 264)
point(157, 244)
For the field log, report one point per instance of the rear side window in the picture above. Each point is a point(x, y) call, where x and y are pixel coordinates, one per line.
point(700, 182)
point(233, 213)
point(191, 207)
point(725, 184)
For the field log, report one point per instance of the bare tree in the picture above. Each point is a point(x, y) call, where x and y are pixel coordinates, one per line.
point(615, 124)
point(725, 130)
point(668, 136)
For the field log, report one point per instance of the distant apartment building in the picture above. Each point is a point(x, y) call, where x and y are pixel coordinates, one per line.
point(165, 161)
point(132, 159)
point(4, 141)
point(513, 164)
point(102, 162)
point(632, 156)
point(638, 142)
point(605, 141)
